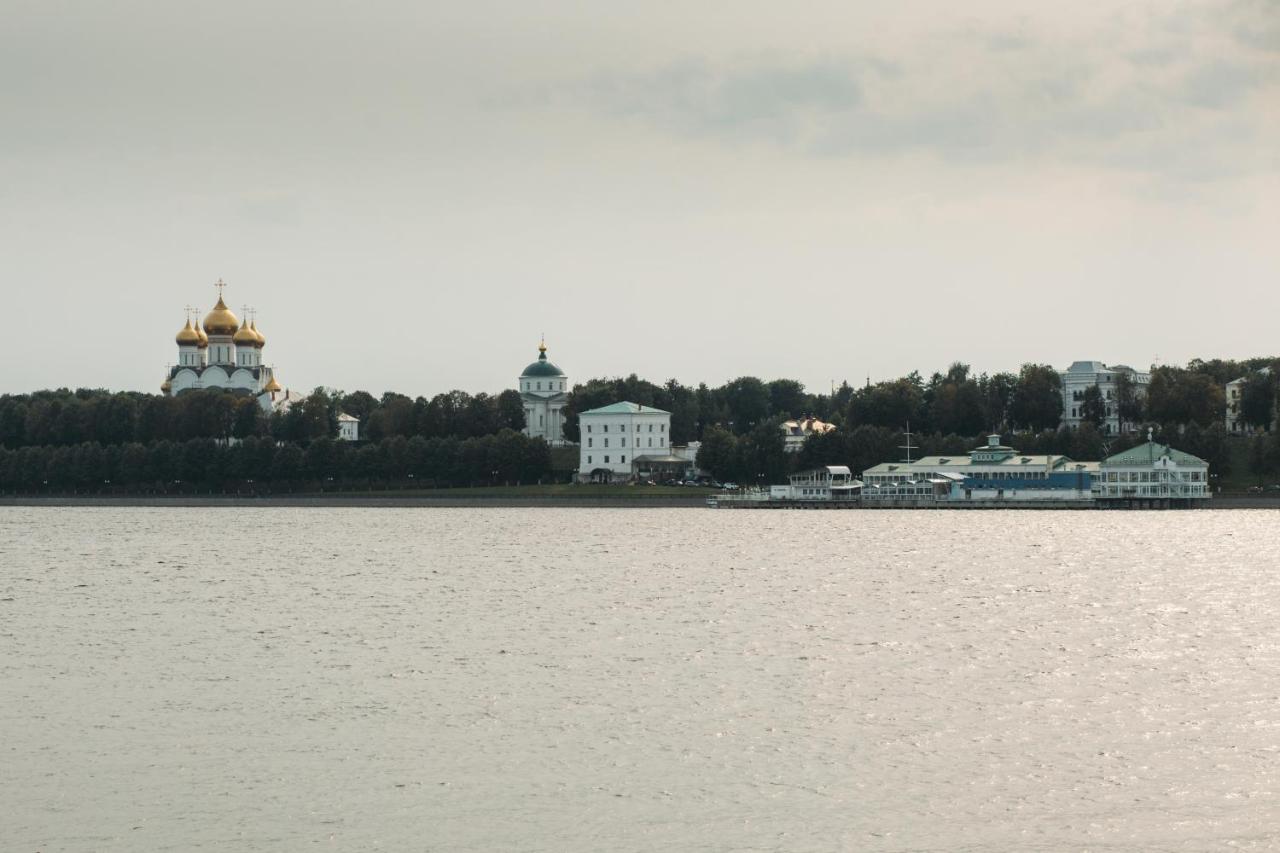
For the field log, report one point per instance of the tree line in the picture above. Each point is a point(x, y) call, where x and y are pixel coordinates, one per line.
point(64, 417)
point(738, 421)
point(265, 465)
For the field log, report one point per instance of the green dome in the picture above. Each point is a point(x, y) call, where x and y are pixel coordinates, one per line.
point(542, 367)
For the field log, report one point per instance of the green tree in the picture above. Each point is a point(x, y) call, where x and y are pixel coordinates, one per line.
point(511, 410)
point(788, 399)
point(747, 399)
point(1093, 409)
point(1129, 403)
point(1036, 403)
point(718, 453)
point(1258, 401)
point(1180, 396)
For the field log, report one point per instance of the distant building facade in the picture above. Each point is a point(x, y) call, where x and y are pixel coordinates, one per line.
point(544, 391)
point(348, 427)
point(615, 441)
point(1082, 375)
point(1234, 393)
point(796, 432)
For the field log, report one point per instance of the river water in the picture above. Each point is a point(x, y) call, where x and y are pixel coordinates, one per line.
point(613, 679)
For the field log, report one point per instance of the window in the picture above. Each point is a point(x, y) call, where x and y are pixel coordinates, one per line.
point(588, 460)
point(624, 441)
point(637, 427)
point(662, 442)
point(606, 427)
point(651, 442)
point(606, 442)
point(588, 427)
point(589, 442)
point(606, 460)
point(622, 458)
point(539, 386)
point(662, 427)
point(650, 427)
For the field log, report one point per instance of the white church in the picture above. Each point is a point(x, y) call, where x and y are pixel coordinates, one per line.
point(544, 390)
point(225, 352)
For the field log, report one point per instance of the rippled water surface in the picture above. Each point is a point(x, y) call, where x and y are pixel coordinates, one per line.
point(582, 680)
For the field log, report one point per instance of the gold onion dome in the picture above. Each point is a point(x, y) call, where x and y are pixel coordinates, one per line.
point(188, 336)
point(262, 339)
point(220, 321)
point(166, 386)
point(245, 337)
point(273, 385)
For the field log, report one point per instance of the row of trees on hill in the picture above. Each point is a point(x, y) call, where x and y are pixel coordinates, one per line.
point(265, 465)
point(63, 417)
point(758, 456)
point(738, 422)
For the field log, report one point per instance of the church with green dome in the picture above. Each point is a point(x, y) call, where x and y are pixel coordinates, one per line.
point(544, 390)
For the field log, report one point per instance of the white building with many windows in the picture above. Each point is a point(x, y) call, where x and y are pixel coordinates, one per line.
point(1155, 473)
point(544, 390)
point(612, 437)
point(1082, 375)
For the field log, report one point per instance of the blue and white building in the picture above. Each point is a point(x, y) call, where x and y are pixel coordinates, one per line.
point(993, 472)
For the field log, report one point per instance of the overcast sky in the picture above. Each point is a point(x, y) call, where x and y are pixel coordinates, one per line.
point(409, 193)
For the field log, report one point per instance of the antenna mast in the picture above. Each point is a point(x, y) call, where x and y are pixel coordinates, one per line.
point(908, 447)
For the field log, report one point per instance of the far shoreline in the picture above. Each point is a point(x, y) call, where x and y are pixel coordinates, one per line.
point(444, 502)
point(353, 501)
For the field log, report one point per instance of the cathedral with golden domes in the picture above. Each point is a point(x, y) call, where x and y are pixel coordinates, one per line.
point(224, 352)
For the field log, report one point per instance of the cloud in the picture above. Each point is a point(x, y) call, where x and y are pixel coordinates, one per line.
point(1125, 100)
point(1220, 83)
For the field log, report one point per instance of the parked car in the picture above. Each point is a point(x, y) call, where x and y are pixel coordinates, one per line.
point(731, 486)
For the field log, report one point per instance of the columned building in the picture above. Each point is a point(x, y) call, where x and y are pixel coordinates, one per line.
point(544, 391)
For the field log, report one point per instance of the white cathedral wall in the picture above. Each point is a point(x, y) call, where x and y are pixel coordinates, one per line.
point(243, 379)
point(183, 380)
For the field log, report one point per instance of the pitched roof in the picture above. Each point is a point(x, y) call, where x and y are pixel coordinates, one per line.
point(624, 408)
point(1148, 452)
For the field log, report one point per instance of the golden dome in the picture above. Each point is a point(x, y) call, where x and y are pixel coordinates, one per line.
point(204, 339)
point(245, 337)
point(273, 385)
point(166, 386)
point(220, 321)
point(262, 339)
point(188, 337)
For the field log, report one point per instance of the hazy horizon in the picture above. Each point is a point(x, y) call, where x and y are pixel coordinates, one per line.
point(411, 194)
